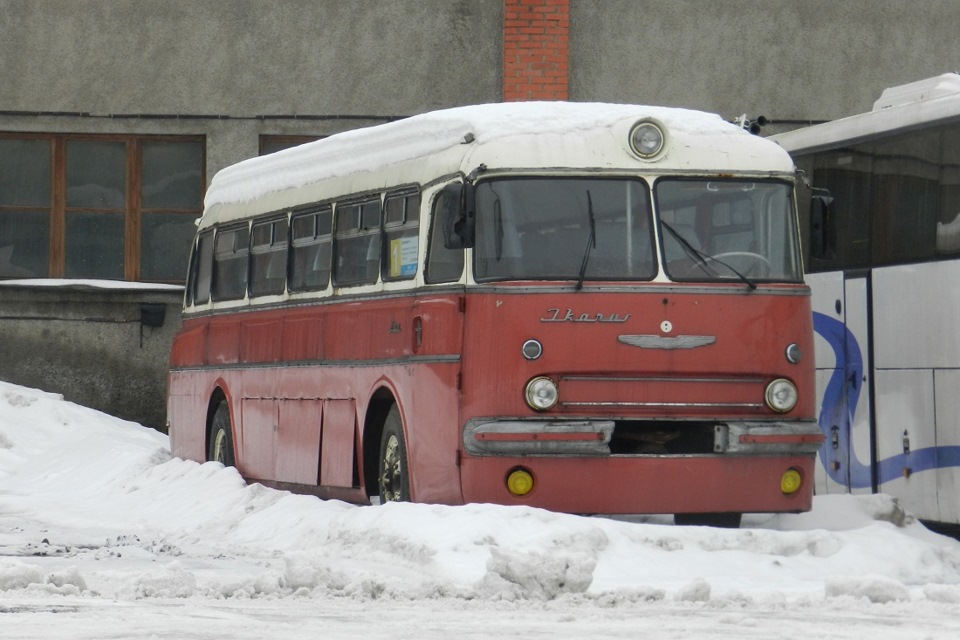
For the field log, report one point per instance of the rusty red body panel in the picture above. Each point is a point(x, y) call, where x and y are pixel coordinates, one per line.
point(655, 484)
point(298, 383)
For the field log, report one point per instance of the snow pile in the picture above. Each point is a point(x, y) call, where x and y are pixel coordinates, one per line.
point(93, 507)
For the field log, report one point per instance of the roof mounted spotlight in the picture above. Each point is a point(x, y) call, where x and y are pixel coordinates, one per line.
point(753, 126)
point(647, 139)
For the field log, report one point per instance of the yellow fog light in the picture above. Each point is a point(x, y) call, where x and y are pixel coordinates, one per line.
point(520, 482)
point(790, 481)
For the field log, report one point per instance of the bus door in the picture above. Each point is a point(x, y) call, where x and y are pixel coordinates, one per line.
point(915, 309)
point(840, 321)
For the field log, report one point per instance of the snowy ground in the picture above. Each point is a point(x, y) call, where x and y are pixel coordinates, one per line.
point(103, 535)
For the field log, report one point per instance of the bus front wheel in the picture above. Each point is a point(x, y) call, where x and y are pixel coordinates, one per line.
point(221, 437)
point(394, 478)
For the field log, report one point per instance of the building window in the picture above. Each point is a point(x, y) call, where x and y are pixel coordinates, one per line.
point(272, 144)
point(113, 207)
point(25, 201)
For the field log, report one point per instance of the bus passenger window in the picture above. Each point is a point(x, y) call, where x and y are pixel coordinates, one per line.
point(311, 244)
point(401, 226)
point(268, 259)
point(357, 247)
point(231, 250)
point(443, 264)
point(202, 270)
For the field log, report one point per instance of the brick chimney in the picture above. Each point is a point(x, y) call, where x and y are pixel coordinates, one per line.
point(535, 49)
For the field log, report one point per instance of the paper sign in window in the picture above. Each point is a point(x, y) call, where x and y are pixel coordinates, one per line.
point(403, 257)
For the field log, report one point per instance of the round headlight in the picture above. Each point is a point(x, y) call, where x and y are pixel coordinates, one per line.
point(781, 395)
point(541, 393)
point(646, 139)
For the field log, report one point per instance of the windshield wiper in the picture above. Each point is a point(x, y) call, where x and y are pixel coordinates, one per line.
point(591, 243)
point(702, 258)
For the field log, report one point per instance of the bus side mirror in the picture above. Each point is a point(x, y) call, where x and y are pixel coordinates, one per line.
point(457, 215)
point(822, 228)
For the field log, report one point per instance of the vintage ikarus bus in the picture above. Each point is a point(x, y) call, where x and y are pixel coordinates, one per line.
point(589, 308)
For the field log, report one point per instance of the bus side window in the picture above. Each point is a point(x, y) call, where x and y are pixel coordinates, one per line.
point(202, 270)
point(357, 245)
point(268, 257)
point(231, 250)
point(401, 230)
point(443, 264)
point(310, 251)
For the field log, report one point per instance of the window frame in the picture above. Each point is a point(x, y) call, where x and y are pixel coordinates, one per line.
point(349, 236)
point(201, 269)
point(317, 239)
point(133, 209)
point(411, 198)
point(240, 251)
point(278, 243)
point(437, 268)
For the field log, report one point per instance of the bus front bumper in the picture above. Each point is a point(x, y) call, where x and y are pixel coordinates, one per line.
point(570, 468)
point(511, 437)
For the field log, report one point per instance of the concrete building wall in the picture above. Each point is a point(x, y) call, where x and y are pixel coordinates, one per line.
point(102, 348)
point(793, 60)
point(248, 57)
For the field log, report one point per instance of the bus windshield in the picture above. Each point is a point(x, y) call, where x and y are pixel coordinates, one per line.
point(728, 229)
point(599, 229)
point(564, 229)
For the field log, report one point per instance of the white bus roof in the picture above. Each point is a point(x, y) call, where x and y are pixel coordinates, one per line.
point(899, 108)
point(518, 135)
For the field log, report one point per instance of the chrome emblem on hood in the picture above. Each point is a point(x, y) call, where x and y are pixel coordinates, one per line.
point(662, 342)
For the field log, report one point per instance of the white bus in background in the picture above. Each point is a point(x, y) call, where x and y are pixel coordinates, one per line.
point(883, 260)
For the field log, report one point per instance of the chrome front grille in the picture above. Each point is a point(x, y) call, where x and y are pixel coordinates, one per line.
point(661, 393)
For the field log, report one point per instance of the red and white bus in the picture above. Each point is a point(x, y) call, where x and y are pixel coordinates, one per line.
point(589, 308)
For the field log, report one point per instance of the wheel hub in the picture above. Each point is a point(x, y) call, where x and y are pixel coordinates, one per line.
point(390, 478)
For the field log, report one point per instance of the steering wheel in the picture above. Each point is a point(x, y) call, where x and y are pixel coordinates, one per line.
point(761, 265)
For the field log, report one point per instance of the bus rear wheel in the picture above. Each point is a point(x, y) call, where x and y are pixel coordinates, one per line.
point(394, 476)
point(720, 520)
point(221, 437)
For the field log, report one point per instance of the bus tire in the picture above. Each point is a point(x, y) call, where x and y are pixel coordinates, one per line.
point(221, 437)
point(393, 476)
point(719, 520)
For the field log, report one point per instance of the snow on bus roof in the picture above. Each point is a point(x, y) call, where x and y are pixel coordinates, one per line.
point(376, 147)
